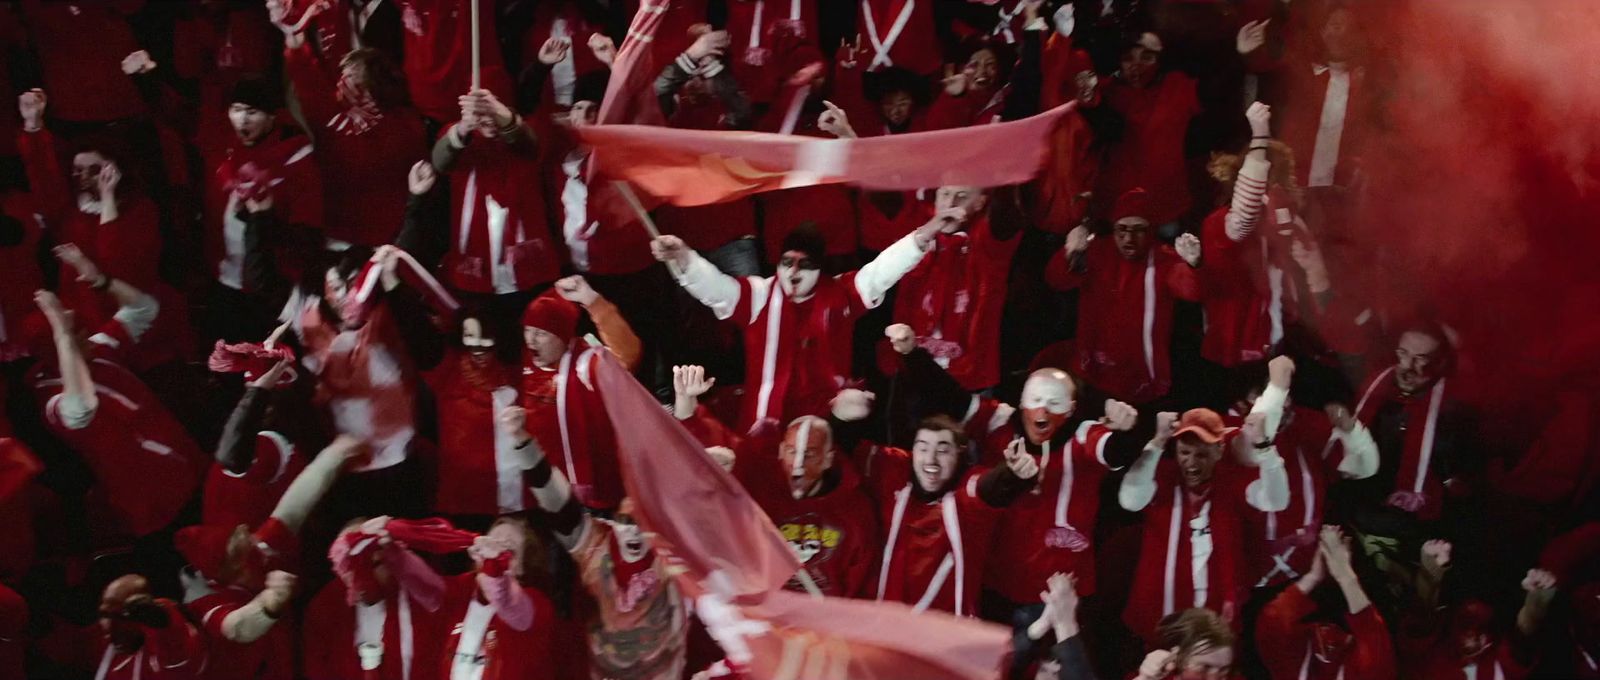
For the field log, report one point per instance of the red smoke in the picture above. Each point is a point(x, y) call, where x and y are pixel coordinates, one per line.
point(1484, 178)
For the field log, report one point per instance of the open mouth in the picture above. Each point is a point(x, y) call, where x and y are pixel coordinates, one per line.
point(634, 545)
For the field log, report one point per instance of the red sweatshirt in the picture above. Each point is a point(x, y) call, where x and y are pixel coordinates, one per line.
point(953, 300)
point(363, 164)
point(438, 55)
point(284, 154)
point(502, 651)
point(899, 33)
point(500, 240)
point(1150, 153)
point(1286, 643)
point(1124, 343)
point(269, 658)
point(410, 636)
point(934, 553)
point(477, 473)
point(81, 46)
point(174, 652)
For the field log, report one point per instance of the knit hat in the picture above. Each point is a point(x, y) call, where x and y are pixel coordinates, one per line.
point(553, 314)
point(1203, 423)
point(806, 238)
point(1134, 202)
point(257, 93)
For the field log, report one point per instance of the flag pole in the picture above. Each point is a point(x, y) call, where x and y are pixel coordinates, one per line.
point(476, 46)
point(644, 217)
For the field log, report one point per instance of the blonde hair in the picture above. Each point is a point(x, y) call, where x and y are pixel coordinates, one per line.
point(1193, 631)
point(1224, 167)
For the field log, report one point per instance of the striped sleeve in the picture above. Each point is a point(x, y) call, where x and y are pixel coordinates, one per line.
point(1249, 198)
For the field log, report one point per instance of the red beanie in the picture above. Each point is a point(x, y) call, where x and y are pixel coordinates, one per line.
point(204, 546)
point(553, 314)
point(1134, 203)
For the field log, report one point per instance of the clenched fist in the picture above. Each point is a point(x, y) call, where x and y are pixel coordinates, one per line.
point(1120, 416)
point(901, 338)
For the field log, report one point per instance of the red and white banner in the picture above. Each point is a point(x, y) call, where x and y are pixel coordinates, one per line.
point(699, 167)
point(735, 563)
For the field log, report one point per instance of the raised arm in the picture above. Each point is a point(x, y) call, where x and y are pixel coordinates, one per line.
point(549, 486)
point(615, 333)
point(875, 278)
point(256, 618)
point(1139, 484)
point(78, 401)
point(714, 289)
point(136, 310)
point(425, 231)
point(236, 447)
point(1360, 449)
point(1002, 485)
point(498, 584)
point(1250, 186)
point(313, 482)
point(1270, 490)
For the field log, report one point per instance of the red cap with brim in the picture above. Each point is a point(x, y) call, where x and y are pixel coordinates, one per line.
point(1203, 423)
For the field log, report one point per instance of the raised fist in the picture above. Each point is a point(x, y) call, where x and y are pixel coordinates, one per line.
point(901, 338)
point(31, 105)
point(138, 62)
point(1540, 583)
point(1166, 425)
point(1077, 240)
point(1280, 371)
point(710, 45)
point(513, 420)
point(577, 289)
point(1260, 117)
point(1436, 556)
point(1341, 416)
point(1120, 416)
point(603, 47)
point(279, 588)
point(851, 405)
point(670, 249)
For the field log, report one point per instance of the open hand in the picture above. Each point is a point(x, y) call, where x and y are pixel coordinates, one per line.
point(1251, 36)
point(603, 47)
point(554, 50)
point(421, 178)
point(691, 381)
point(1188, 247)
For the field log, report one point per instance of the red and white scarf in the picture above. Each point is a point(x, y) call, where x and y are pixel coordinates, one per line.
point(1415, 490)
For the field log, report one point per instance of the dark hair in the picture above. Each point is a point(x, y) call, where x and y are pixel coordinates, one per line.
point(535, 568)
point(880, 84)
point(383, 81)
point(944, 423)
point(257, 92)
point(806, 238)
point(1433, 329)
point(1005, 56)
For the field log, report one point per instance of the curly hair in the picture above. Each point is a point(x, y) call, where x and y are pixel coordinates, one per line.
point(1224, 167)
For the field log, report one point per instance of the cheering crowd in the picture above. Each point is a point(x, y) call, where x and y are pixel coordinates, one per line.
point(307, 308)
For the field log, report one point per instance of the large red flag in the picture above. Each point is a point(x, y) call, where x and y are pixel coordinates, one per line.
point(630, 97)
point(734, 564)
point(698, 167)
point(698, 513)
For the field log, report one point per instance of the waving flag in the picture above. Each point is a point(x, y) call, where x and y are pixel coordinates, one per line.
point(734, 564)
point(699, 167)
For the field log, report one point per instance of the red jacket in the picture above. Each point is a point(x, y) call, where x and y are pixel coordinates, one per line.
point(494, 189)
point(229, 500)
point(1124, 343)
point(953, 300)
point(477, 474)
point(1286, 643)
point(1164, 577)
point(934, 553)
point(1150, 153)
point(438, 55)
point(286, 155)
point(328, 638)
point(364, 168)
point(269, 658)
point(898, 33)
point(81, 46)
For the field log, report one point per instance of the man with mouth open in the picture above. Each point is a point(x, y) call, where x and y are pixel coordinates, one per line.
point(812, 494)
point(1193, 549)
point(939, 517)
point(638, 631)
point(799, 322)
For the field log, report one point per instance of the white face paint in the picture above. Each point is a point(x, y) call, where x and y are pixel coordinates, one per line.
point(630, 540)
point(1046, 403)
point(798, 275)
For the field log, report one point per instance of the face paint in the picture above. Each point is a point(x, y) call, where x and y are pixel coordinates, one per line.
point(1046, 403)
point(630, 540)
point(798, 275)
point(804, 451)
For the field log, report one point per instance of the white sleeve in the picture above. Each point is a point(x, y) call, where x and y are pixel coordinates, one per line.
point(1270, 404)
point(710, 286)
point(1270, 491)
point(1139, 484)
point(1249, 197)
point(137, 316)
point(74, 411)
point(1360, 452)
point(875, 278)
